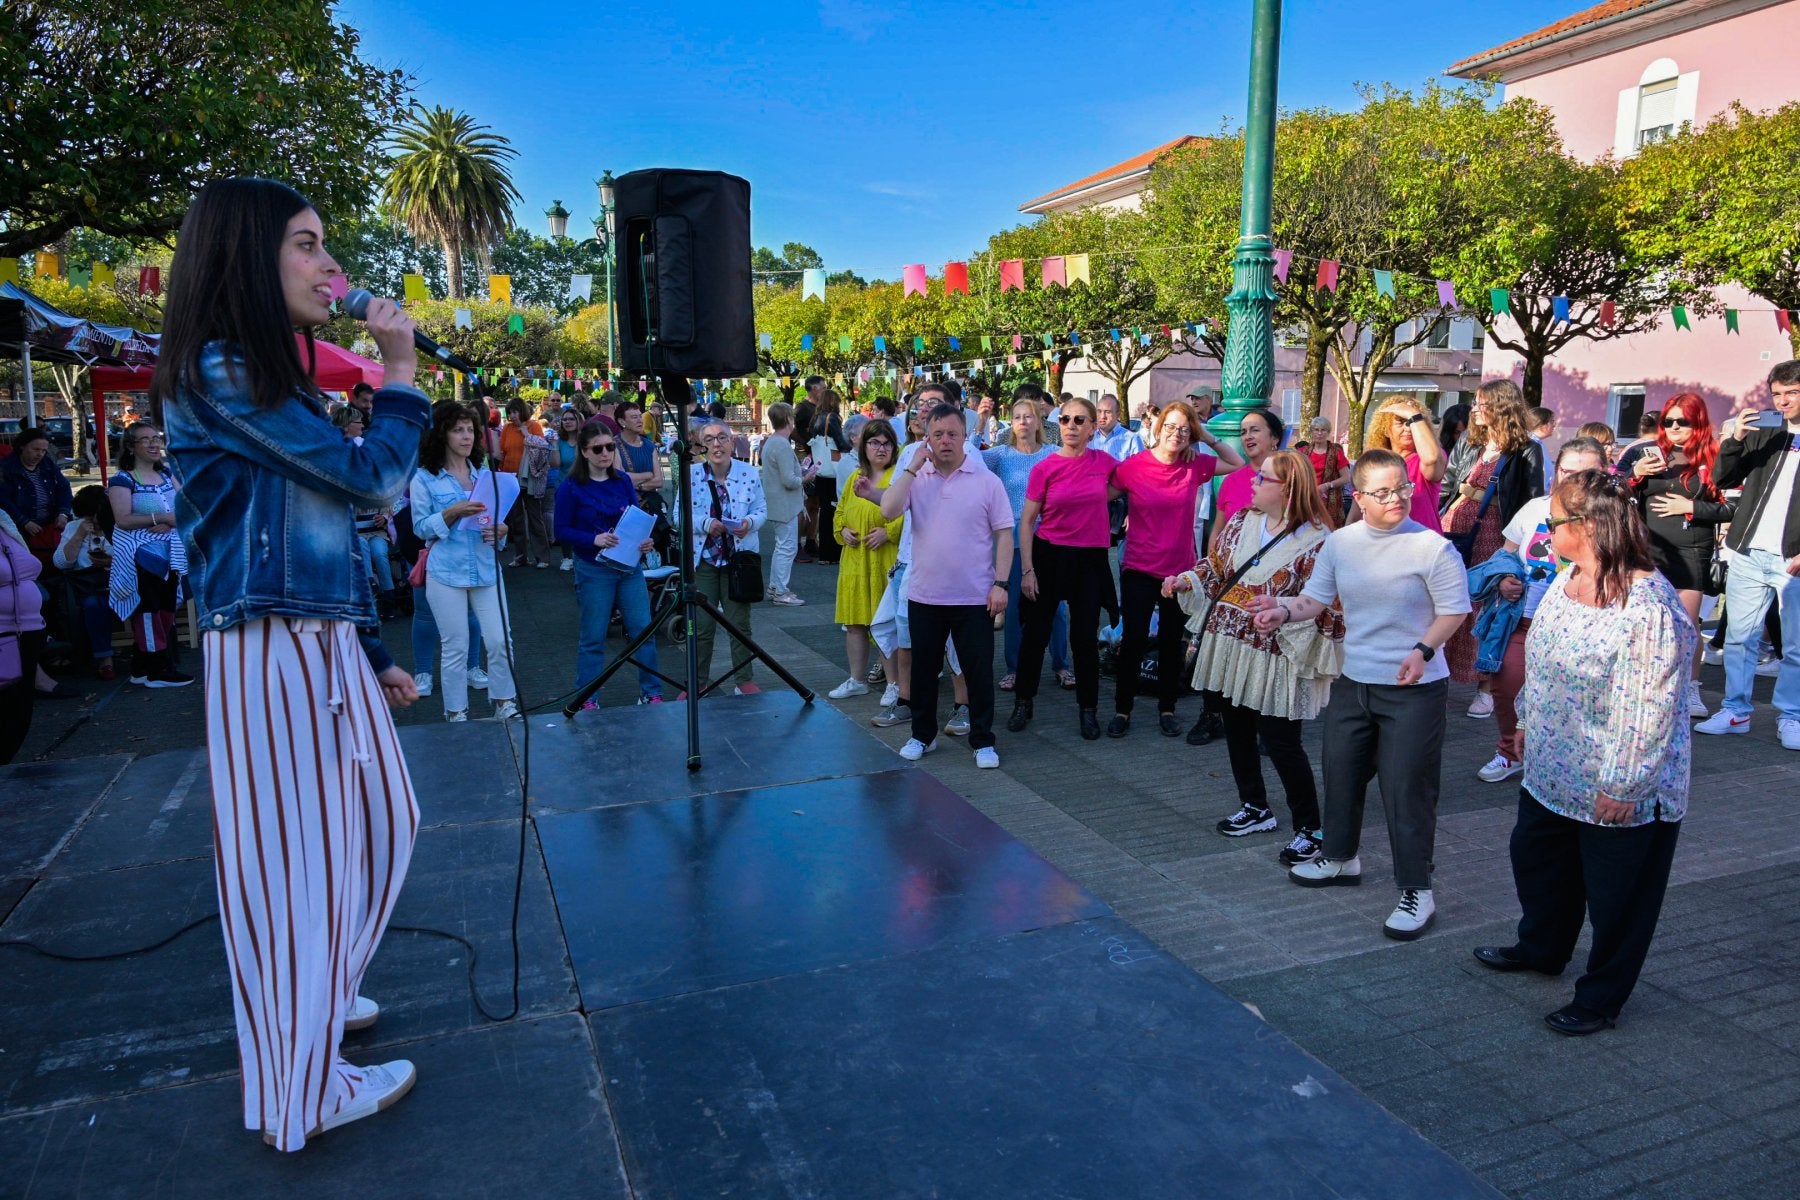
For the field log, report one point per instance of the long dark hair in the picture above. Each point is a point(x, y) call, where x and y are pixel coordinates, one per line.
point(434, 447)
point(1452, 425)
point(1613, 528)
point(225, 285)
point(581, 471)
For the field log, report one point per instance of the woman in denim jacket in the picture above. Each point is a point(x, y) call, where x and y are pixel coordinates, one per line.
point(461, 567)
point(313, 811)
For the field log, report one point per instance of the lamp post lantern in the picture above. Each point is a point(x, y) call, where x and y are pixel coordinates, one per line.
point(559, 221)
point(603, 229)
point(1249, 367)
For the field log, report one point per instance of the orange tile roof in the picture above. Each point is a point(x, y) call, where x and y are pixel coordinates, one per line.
point(1560, 29)
point(1130, 166)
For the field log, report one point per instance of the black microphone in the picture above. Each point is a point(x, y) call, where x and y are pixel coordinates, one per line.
point(356, 303)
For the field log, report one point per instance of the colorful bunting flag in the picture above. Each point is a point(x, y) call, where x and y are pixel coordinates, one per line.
point(1048, 340)
point(80, 277)
point(1327, 280)
point(1384, 284)
point(956, 278)
point(9, 271)
point(1053, 271)
point(918, 345)
point(413, 287)
point(581, 287)
point(103, 275)
point(844, 342)
point(912, 279)
point(149, 281)
point(1074, 338)
point(1018, 341)
point(1500, 300)
point(987, 342)
point(956, 343)
point(1681, 318)
point(1447, 294)
point(465, 319)
point(1012, 274)
point(1114, 333)
point(1077, 265)
point(339, 284)
point(1559, 309)
point(1782, 321)
point(515, 323)
point(880, 344)
point(812, 283)
point(500, 289)
point(765, 341)
point(49, 265)
point(806, 340)
point(1283, 260)
point(1731, 320)
point(1609, 312)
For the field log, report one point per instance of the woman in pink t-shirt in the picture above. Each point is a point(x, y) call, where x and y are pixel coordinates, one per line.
point(1066, 561)
point(1162, 484)
point(1260, 432)
point(1402, 426)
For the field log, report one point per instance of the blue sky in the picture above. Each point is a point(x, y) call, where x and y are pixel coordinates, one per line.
point(887, 133)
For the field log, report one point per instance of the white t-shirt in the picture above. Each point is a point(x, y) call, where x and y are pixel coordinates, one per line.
point(1529, 530)
point(1773, 519)
point(1204, 505)
point(1393, 585)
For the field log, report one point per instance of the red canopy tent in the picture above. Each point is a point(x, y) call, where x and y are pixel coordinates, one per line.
point(335, 369)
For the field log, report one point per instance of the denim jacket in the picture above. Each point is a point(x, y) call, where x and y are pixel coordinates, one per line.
point(459, 558)
point(1498, 616)
point(268, 499)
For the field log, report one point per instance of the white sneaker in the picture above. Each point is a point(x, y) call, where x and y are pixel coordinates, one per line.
point(1412, 916)
point(478, 679)
point(423, 682)
point(890, 695)
point(1499, 767)
point(1696, 706)
point(382, 1086)
point(1328, 872)
point(787, 598)
point(1768, 668)
point(1711, 657)
point(849, 688)
point(505, 710)
point(914, 749)
point(362, 1014)
point(987, 758)
point(568, 564)
point(1789, 731)
point(1482, 705)
point(1724, 721)
point(457, 718)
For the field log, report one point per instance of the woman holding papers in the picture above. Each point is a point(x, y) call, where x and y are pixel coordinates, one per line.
point(457, 505)
point(592, 505)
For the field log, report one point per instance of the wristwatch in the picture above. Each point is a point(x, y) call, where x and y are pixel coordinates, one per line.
point(1428, 651)
point(1415, 418)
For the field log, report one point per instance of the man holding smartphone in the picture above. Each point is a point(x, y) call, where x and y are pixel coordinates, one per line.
point(1761, 451)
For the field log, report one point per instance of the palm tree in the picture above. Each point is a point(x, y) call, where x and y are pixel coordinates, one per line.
point(448, 183)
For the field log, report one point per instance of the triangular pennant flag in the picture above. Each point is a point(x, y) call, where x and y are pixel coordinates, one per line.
point(912, 279)
point(918, 345)
point(956, 343)
point(1782, 320)
point(1054, 271)
point(515, 323)
point(880, 344)
point(765, 341)
point(581, 287)
point(49, 265)
point(1283, 260)
point(1731, 320)
point(1447, 294)
point(806, 343)
point(413, 287)
point(1012, 274)
point(956, 278)
point(1559, 308)
point(465, 319)
point(812, 283)
point(844, 342)
point(1077, 265)
point(80, 277)
point(1500, 300)
point(103, 275)
point(9, 271)
point(1609, 312)
point(1384, 284)
point(500, 289)
point(1327, 280)
point(1681, 318)
point(149, 281)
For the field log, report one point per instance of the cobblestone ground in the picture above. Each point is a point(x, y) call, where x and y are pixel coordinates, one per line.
point(1697, 1093)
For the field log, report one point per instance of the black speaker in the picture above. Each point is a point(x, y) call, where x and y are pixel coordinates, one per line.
point(684, 273)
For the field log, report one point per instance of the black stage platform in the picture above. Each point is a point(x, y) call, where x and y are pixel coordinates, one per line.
point(806, 971)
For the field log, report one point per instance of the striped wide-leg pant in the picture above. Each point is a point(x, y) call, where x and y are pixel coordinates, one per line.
point(313, 823)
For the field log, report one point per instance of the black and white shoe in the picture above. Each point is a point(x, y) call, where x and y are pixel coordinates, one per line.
point(1304, 848)
point(1247, 820)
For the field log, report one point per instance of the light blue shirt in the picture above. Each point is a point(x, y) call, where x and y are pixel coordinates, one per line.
point(1121, 443)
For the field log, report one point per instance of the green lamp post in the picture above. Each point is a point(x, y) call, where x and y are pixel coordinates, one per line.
point(1249, 367)
point(603, 229)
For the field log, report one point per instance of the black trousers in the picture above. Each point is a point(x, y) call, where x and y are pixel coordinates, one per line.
point(1565, 869)
point(1394, 734)
point(16, 700)
point(1139, 596)
point(1280, 738)
point(1081, 577)
point(971, 628)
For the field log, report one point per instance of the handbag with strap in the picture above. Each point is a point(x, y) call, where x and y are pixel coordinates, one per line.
point(743, 568)
point(1465, 541)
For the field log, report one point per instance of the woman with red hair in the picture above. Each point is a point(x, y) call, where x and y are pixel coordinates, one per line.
point(1682, 508)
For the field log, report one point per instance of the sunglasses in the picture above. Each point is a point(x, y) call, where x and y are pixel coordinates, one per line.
point(1554, 523)
point(600, 448)
point(1677, 423)
point(1067, 419)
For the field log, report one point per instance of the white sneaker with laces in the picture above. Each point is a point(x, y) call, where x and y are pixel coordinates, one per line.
point(987, 758)
point(914, 749)
point(1712, 657)
point(457, 718)
point(890, 695)
point(1768, 668)
point(506, 710)
point(1724, 721)
point(478, 678)
point(382, 1086)
point(1412, 916)
point(787, 598)
point(568, 564)
point(423, 682)
point(1328, 872)
point(362, 1014)
point(849, 688)
point(1696, 706)
point(1482, 705)
point(1498, 768)
point(1789, 731)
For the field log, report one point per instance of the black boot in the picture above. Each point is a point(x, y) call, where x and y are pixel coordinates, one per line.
point(1090, 725)
point(1021, 716)
point(1208, 727)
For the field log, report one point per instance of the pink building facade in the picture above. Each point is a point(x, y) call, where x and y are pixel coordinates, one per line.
point(1616, 77)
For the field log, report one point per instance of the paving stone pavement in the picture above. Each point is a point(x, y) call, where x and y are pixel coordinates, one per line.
point(1697, 1093)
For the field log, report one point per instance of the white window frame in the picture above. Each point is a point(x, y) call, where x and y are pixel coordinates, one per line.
point(1290, 406)
point(1614, 395)
point(1629, 134)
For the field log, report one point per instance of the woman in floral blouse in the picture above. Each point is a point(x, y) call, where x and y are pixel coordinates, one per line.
point(1606, 754)
point(1265, 683)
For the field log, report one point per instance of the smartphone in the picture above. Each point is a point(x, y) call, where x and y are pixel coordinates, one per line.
point(1769, 418)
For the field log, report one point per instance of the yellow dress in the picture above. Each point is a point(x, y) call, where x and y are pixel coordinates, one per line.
point(862, 573)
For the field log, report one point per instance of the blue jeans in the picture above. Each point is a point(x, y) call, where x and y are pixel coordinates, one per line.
point(599, 588)
point(375, 546)
point(1755, 578)
point(425, 637)
point(1015, 625)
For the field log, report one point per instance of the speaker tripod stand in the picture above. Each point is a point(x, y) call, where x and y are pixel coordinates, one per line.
point(689, 601)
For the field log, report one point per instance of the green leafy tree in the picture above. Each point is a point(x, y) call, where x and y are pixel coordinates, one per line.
point(448, 183)
point(115, 115)
point(376, 252)
point(541, 269)
point(1721, 199)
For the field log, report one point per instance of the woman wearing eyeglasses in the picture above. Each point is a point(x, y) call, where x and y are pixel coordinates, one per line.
point(1401, 425)
point(728, 508)
point(1265, 683)
point(149, 560)
point(1260, 432)
point(1065, 561)
point(870, 549)
point(1682, 509)
point(588, 507)
point(1607, 755)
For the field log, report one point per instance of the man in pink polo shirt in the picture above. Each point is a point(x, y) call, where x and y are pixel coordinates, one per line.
point(961, 555)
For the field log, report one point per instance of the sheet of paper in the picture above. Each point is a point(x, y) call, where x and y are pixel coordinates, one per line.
point(634, 526)
point(498, 505)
